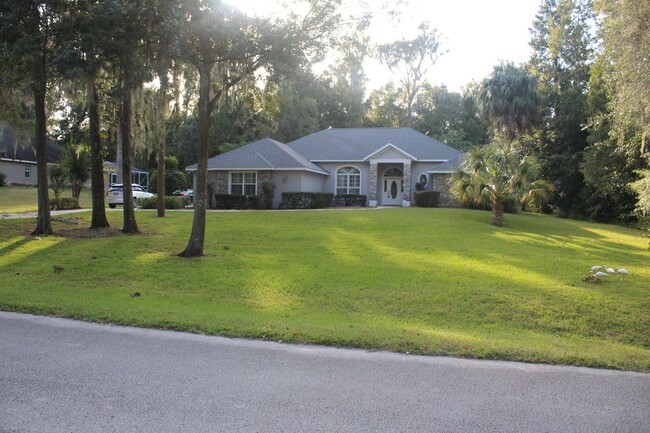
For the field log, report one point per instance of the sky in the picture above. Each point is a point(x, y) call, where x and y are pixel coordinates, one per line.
point(477, 34)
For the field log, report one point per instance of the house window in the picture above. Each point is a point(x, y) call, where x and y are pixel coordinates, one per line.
point(28, 171)
point(113, 178)
point(243, 183)
point(348, 180)
point(423, 180)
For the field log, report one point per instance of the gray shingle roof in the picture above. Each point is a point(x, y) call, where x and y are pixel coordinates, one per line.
point(449, 166)
point(354, 144)
point(24, 149)
point(265, 154)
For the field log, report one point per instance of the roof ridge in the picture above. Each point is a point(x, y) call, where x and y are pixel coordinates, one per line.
point(264, 159)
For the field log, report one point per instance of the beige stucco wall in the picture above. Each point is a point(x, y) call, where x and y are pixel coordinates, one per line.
point(284, 180)
point(296, 181)
point(15, 172)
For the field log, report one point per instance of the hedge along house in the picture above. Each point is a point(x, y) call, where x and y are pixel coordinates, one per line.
point(18, 157)
point(384, 164)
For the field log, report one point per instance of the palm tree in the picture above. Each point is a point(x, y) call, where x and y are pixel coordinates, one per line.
point(494, 173)
point(76, 161)
point(508, 99)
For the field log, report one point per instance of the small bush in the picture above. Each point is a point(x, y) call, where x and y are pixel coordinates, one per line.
point(306, 200)
point(230, 201)
point(266, 195)
point(350, 200)
point(509, 206)
point(64, 203)
point(427, 198)
point(3, 179)
point(171, 202)
point(58, 176)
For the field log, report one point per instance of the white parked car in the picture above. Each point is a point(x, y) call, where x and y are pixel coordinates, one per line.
point(116, 196)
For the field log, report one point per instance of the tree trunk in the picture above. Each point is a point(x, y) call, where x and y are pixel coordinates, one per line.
point(197, 237)
point(39, 89)
point(130, 225)
point(497, 213)
point(118, 154)
point(97, 168)
point(160, 180)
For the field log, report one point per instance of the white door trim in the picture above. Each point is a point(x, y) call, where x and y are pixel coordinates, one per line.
point(391, 185)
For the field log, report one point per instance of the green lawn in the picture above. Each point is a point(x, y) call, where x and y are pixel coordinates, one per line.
point(17, 199)
point(434, 281)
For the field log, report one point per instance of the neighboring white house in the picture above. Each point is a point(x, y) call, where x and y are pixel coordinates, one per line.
point(384, 164)
point(18, 157)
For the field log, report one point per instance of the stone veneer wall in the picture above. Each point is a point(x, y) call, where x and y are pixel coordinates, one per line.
point(262, 175)
point(221, 185)
point(441, 184)
point(372, 186)
point(406, 194)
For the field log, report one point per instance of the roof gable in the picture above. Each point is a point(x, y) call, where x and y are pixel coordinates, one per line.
point(389, 152)
point(265, 154)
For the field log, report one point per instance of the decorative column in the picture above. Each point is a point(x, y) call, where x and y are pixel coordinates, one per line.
point(406, 199)
point(372, 186)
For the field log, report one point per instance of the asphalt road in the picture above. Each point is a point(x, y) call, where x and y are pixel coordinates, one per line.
point(65, 376)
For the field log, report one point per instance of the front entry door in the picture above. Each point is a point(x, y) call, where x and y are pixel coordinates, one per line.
point(392, 188)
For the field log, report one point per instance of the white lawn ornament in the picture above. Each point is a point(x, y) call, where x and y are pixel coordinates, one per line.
point(611, 271)
point(623, 271)
point(601, 274)
point(595, 268)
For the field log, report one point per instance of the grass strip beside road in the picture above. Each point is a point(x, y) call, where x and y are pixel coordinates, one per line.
point(429, 281)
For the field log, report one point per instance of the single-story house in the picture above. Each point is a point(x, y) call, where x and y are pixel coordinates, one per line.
point(18, 156)
point(138, 176)
point(384, 164)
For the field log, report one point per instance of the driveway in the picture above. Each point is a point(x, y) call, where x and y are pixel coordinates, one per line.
point(61, 375)
point(8, 216)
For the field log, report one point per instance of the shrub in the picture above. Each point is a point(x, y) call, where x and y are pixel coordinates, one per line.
point(509, 206)
point(427, 198)
point(171, 202)
point(350, 200)
point(211, 190)
point(57, 176)
point(231, 201)
point(266, 195)
point(306, 200)
point(174, 180)
point(63, 203)
point(3, 179)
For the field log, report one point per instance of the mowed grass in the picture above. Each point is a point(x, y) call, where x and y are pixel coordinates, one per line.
point(425, 281)
point(18, 199)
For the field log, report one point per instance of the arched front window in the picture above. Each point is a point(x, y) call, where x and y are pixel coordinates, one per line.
point(348, 181)
point(423, 180)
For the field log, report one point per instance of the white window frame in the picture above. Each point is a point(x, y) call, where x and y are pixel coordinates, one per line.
point(347, 175)
point(243, 183)
point(28, 171)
